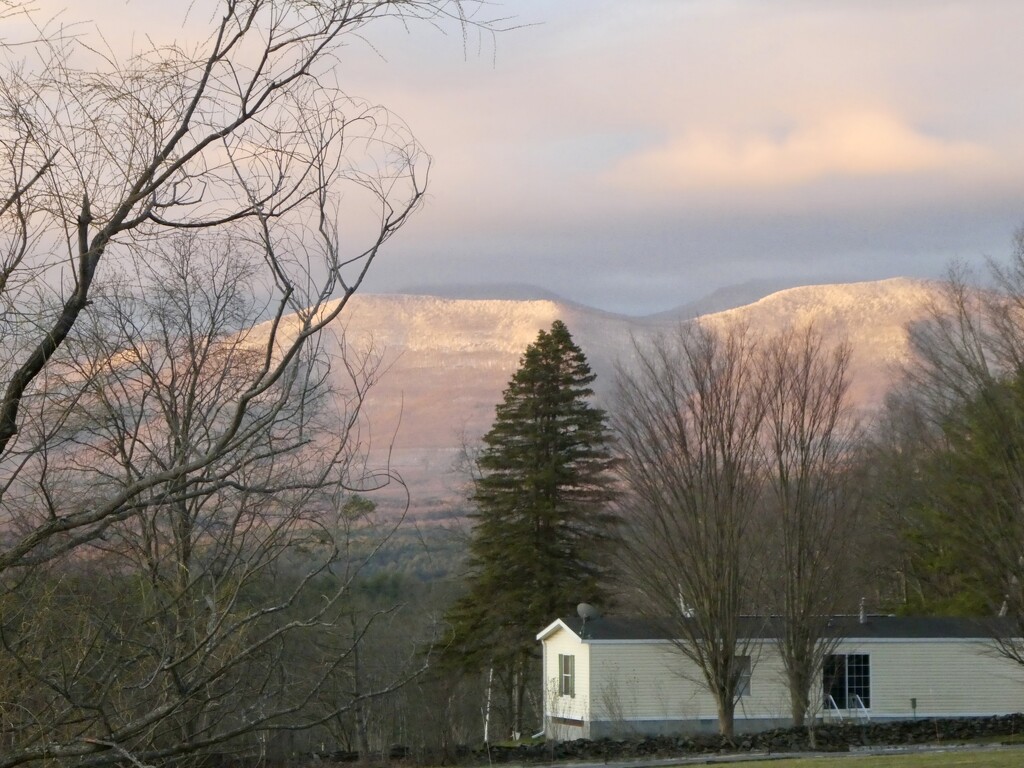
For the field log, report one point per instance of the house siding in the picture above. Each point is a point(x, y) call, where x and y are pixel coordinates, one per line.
point(767, 705)
point(563, 712)
point(652, 687)
point(649, 687)
point(948, 678)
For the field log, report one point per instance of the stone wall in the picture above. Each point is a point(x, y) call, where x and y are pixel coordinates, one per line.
point(833, 737)
point(827, 738)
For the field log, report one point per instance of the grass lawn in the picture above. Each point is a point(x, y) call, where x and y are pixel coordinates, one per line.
point(976, 758)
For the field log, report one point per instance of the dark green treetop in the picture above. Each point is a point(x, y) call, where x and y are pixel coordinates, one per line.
point(542, 508)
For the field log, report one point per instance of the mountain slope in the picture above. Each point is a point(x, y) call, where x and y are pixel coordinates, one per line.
point(449, 360)
point(872, 316)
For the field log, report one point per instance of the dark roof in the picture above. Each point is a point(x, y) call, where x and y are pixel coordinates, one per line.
point(874, 627)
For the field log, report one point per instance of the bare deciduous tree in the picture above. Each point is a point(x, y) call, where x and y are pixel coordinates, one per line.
point(811, 504)
point(688, 421)
point(178, 630)
point(737, 453)
point(240, 135)
point(169, 262)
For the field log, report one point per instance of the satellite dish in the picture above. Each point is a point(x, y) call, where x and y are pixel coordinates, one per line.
point(588, 612)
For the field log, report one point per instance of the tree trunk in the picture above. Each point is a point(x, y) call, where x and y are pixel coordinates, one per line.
point(520, 695)
point(726, 716)
point(798, 702)
point(363, 732)
point(359, 710)
point(487, 706)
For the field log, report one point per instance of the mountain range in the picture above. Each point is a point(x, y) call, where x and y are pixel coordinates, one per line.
point(446, 361)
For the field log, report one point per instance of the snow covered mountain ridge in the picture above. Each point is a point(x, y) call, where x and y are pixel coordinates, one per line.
point(448, 361)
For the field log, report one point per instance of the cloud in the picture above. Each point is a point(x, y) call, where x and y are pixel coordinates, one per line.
point(868, 144)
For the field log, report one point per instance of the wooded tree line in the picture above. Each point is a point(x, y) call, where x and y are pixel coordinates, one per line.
point(729, 478)
point(746, 486)
point(742, 484)
point(947, 455)
point(748, 475)
point(187, 553)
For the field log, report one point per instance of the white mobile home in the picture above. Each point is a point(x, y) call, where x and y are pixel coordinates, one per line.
point(614, 676)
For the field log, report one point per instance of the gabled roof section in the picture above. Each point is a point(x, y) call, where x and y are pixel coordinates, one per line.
point(555, 626)
point(770, 627)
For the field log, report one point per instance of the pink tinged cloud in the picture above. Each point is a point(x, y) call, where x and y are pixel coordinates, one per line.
point(852, 144)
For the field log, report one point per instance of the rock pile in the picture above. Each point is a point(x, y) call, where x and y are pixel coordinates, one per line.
point(837, 737)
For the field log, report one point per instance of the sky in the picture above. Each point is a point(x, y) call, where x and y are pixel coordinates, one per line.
point(635, 156)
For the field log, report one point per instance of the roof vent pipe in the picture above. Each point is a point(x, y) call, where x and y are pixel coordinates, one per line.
point(863, 612)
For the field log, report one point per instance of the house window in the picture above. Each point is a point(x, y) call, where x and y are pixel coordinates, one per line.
point(566, 675)
point(743, 680)
point(847, 679)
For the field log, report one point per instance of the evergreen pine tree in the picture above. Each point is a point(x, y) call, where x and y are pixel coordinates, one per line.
point(541, 514)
